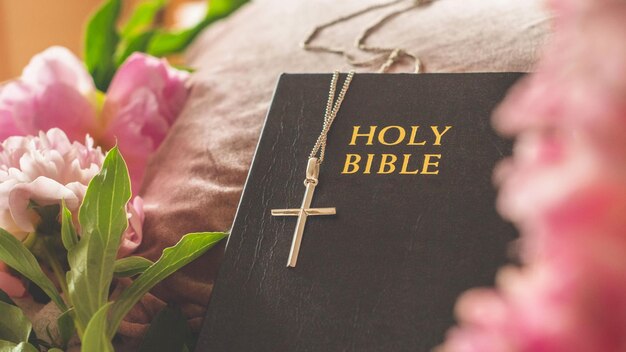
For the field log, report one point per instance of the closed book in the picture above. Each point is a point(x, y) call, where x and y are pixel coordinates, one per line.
point(408, 168)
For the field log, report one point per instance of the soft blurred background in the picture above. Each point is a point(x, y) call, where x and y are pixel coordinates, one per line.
point(27, 27)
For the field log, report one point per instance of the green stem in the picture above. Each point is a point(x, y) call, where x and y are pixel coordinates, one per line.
point(57, 270)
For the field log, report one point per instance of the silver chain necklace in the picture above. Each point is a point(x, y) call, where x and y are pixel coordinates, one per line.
point(388, 57)
point(313, 169)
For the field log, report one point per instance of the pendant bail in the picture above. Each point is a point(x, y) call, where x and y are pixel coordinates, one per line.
point(312, 171)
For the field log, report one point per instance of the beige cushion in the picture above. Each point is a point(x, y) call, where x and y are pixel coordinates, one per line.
point(195, 180)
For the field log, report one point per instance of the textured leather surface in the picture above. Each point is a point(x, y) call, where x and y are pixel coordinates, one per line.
point(384, 273)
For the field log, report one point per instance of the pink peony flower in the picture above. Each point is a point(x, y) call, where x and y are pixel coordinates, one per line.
point(46, 170)
point(575, 302)
point(565, 189)
point(55, 90)
point(43, 169)
point(143, 101)
point(569, 165)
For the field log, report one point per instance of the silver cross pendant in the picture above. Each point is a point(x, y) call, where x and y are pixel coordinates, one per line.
point(312, 174)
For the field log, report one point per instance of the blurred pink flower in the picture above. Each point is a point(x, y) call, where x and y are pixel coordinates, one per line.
point(565, 189)
point(55, 90)
point(11, 285)
point(143, 101)
point(558, 183)
point(569, 165)
point(575, 302)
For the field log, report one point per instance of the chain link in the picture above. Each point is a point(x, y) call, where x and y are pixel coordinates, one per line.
point(332, 109)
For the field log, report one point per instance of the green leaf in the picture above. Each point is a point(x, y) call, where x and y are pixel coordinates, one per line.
point(184, 68)
point(14, 326)
point(168, 332)
point(95, 337)
point(102, 218)
point(131, 266)
point(65, 324)
point(189, 248)
point(142, 18)
point(101, 40)
point(68, 232)
point(138, 43)
point(171, 42)
point(6, 346)
point(55, 350)
point(14, 254)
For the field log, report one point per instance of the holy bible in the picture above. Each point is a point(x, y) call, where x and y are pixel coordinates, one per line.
point(402, 221)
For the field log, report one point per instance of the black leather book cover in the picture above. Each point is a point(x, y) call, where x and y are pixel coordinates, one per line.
point(408, 167)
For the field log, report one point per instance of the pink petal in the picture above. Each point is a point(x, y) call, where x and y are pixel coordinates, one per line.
point(134, 234)
point(58, 65)
point(6, 219)
point(60, 105)
point(10, 284)
point(43, 191)
point(138, 129)
point(17, 109)
point(8, 126)
point(141, 71)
